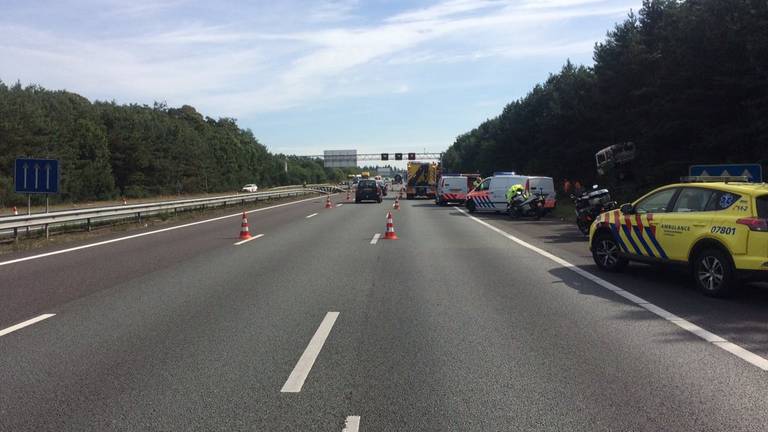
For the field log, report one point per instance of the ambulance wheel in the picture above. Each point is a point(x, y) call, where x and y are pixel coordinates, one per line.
point(714, 273)
point(607, 254)
point(471, 206)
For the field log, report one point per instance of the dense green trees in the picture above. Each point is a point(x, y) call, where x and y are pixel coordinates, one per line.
point(108, 150)
point(687, 81)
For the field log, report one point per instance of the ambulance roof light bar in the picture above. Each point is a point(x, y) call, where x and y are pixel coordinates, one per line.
point(708, 179)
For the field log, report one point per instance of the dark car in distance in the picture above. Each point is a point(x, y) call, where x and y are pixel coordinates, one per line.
point(368, 190)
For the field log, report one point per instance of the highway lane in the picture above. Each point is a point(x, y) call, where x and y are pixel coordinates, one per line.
point(452, 327)
point(742, 319)
point(31, 287)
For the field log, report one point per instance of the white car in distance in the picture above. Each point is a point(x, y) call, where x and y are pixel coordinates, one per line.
point(250, 188)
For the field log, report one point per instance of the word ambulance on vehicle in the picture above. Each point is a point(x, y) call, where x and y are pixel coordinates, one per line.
point(718, 229)
point(454, 188)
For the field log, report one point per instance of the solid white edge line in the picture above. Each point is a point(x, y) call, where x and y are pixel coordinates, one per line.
point(738, 351)
point(101, 243)
point(352, 424)
point(304, 365)
point(375, 238)
point(311, 216)
point(247, 240)
point(26, 323)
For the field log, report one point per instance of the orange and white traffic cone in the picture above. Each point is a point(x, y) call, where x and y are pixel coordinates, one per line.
point(15, 211)
point(328, 202)
point(125, 202)
point(390, 234)
point(397, 204)
point(244, 233)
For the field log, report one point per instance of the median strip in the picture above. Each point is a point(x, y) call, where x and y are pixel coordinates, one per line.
point(26, 323)
point(688, 326)
point(304, 365)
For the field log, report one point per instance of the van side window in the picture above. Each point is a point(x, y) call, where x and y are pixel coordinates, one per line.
point(484, 185)
point(656, 203)
point(692, 200)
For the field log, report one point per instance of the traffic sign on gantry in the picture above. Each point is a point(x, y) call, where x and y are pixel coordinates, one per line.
point(36, 176)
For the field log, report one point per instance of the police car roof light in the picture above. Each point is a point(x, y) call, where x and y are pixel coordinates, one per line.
point(501, 173)
point(705, 179)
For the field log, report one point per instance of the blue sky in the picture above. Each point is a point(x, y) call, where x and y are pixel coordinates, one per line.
point(376, 76)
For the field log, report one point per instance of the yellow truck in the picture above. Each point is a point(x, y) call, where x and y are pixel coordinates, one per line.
point(421, 180)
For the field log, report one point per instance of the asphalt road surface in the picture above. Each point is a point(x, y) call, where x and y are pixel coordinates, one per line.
point(462, 324)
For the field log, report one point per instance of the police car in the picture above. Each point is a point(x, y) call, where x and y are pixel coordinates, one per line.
point(719, 229)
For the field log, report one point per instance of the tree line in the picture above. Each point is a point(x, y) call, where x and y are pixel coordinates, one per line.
point(107, 150)
point(686, 81)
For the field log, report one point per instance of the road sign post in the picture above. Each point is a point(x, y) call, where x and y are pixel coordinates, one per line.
point(36, 176)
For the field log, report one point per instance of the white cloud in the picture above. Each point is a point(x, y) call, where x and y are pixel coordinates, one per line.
point(230, 68)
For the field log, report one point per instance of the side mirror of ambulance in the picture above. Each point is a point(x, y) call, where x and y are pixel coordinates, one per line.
point(627, 209)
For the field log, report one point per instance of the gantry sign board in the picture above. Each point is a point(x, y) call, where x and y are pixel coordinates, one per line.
point(753, 171)
point(36, 176)
point(340, 158)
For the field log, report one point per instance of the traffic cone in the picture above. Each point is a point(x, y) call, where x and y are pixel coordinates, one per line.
point(397, 204)
point(125, 202)
point(390, 234)
point(15, 211)
point(328, 202)
point(349, 197)
point(244, 233)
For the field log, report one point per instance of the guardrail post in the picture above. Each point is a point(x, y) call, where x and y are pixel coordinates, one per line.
point(46, 232)
point(88, 221)
point(16, 234)
point(138, 216)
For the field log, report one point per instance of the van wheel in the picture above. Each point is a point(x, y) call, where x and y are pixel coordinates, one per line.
point(607, 254)
point(714, 273)
point(471, 206)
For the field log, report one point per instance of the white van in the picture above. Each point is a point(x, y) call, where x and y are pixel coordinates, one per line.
point(544, 186)
point(491, 194)
point(452, 188)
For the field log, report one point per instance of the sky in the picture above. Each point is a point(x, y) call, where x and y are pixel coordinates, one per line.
point(307, 76)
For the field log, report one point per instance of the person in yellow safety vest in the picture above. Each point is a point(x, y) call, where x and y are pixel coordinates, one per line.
point(513, 190)
point(477, 183)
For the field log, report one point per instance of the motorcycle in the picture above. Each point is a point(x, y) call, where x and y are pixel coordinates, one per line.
point(526, 206)
point(591, 204)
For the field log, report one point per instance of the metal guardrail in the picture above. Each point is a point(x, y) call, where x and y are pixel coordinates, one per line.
point(10, 225)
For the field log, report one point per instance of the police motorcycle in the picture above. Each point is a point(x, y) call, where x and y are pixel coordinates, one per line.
point(526, 205)
point(590, 204)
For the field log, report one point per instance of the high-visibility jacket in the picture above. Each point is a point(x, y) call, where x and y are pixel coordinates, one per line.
point(513, 190)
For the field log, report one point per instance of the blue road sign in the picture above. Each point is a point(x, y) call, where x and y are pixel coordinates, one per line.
point(753, 171)
point(39, 176)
